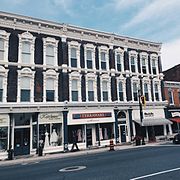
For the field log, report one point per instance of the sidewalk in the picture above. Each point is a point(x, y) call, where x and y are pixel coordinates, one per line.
point(37, 159)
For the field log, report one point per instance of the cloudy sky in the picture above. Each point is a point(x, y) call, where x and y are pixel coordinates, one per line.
point(154, 20)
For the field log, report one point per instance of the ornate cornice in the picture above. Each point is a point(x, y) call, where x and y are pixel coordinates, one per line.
point(26, 23)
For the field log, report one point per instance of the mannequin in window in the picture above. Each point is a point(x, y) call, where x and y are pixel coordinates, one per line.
point(54, 138)
point(46, 143)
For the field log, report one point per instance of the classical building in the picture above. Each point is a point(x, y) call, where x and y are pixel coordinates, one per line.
point(172, 95)
point(57, 80)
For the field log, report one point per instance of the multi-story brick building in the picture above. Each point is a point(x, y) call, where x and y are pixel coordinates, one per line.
point(172, 95)
point(56, 79)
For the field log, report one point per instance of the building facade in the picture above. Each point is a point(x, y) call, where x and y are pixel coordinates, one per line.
point(57, 79)
point(172, 95)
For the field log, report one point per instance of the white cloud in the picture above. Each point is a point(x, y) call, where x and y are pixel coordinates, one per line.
point(155, 10)
point(170, 54)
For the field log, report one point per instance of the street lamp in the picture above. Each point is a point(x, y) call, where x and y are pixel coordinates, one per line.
point(141, 98)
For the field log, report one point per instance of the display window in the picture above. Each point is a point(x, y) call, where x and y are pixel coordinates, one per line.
point(3, 138)
point(50, 134)
point(106, 131)
point(78, 130)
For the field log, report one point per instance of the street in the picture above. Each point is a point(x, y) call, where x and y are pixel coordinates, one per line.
point(154, 162)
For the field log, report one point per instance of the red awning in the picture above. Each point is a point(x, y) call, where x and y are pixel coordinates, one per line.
point(176, 119)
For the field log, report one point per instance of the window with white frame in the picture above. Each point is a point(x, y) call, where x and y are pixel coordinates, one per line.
point(156, 90)
point(103, 58)
point(120, 89)
point(50, 86)
point(50, 46)
point(74, 54)
point(1, 88)
point(119, 60)
point(103, 61)
point(105, 93)
point(26, 48)
point(89, 59)
point(74, 90)
point(73, 57)
point(25, 85)
point(170, 95)
point(135, 91)
point(146, 91)
point(3, 83)
point(26, 52)
point(50, 90)
point(4, 40)
point(144, 68)
point(154, 71)
point(90, 90)
point(89, 54)
point(25, 89)
point(2, 50)
point(133, 64)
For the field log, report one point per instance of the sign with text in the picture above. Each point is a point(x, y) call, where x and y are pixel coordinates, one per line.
point(4, 120)
point(50, 118)
point(92, 115)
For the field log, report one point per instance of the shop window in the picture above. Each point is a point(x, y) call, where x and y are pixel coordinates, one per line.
point(79, 131)
point(51, 134)
point(121, 97)
point(22, 119)
point(146, 92)
point(135, 91)
point(89, 59)
point(90, 90)
point(121, 115)
point(2, 50)
point(105, 91)
point(25, 89)
point(3, 138)
point(106, 131)
point(50, 92)
point(34, 136)
point(103, 61)
point(74, 90)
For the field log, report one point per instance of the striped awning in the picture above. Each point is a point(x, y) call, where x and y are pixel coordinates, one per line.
point(154, 122)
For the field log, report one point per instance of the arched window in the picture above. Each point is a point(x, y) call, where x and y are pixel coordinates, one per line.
point(26, 52)
point(50, 55)
point(74, 90)
point(90, 90)
point(1, 88)
point(105, 91)
point(25, 92)
point(121, 97)
point(121, 115)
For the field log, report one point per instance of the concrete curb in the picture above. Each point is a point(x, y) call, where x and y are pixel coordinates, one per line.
point(36, 159)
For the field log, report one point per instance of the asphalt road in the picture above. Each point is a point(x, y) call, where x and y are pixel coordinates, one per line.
point(155, 163)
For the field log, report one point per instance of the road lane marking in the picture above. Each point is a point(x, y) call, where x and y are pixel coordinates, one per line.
point(155, 174)
point(29, 163)
point(72, 168)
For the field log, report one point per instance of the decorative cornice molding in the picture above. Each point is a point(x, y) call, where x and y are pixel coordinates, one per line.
point(26, 23)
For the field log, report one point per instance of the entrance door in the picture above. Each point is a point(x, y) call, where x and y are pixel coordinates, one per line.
point(122, 132)
point(21, 141)
point(89, 137)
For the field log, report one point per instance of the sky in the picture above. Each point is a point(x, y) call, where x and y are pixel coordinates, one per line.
point(154, 20)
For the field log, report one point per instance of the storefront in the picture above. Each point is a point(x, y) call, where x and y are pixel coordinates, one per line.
point(154, 122)
point(175, 118)
point(4, 131)
point(92, 128)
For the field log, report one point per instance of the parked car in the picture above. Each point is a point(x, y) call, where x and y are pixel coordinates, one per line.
point(176, 139)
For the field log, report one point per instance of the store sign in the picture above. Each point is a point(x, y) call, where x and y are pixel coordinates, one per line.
point(50, 118)
point(148, 114)
point(4, 120)
point(91, 115)
point(175, 114)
